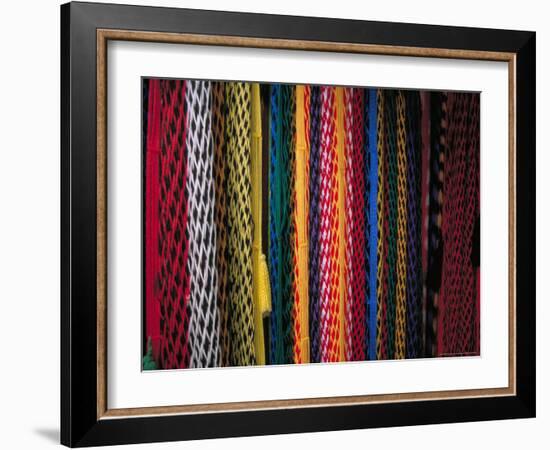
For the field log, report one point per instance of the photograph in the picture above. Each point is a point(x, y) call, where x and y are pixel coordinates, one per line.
point(294, 224)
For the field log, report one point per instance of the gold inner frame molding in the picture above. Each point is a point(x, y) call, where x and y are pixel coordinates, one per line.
point(103, 36)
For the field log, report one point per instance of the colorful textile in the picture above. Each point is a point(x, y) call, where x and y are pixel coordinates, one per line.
point(287, 224)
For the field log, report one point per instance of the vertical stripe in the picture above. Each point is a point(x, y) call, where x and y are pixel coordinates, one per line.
point(425, 98)
point(373, 217)
point(152, 203)
point(240, 226)
point(220, 127)
point(288, 166)
point(401, 263)
point(458, 295)
point(381, 248)
point(173, 232)
point(414, 224)
point(341, 226)
point(201, 264)
point(438, 124)
point(329, 228)
point(391, 212)
point(260, 277)
point(300, 310)
point(275, 253)
point(314, 223)
point(304, 248)
point(355, 226)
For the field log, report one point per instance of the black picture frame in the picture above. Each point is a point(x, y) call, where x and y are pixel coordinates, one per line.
point(80, 424)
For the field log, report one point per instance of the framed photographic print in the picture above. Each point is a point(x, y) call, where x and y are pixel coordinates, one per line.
point(276, 224)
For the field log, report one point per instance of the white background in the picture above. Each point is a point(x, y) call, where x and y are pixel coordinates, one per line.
point(129, 387)
point(29, 229)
